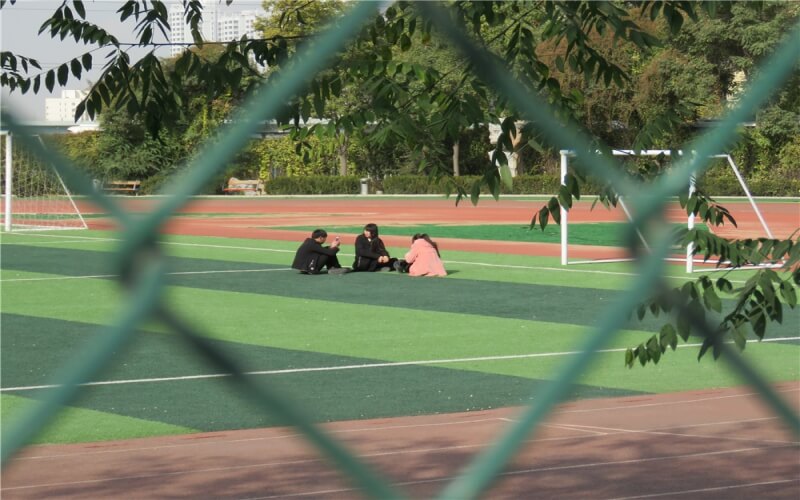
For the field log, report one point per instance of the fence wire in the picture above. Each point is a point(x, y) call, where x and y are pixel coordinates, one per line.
point(141, 265)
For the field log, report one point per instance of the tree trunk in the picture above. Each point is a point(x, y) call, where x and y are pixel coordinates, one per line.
point(517, 143)
point(456, 169)
point(341, 152)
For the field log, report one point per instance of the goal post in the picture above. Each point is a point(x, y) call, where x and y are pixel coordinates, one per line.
point(690, 221)
point(34, 195)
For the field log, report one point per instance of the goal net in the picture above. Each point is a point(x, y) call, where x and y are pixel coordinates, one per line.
point(34, 195)
point(688, 257)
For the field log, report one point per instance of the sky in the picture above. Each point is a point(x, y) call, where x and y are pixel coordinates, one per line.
point(19, 28)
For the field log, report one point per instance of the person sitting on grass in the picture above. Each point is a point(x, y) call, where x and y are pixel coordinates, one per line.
point(371, 254)
point(422, 259)
point(312, 257)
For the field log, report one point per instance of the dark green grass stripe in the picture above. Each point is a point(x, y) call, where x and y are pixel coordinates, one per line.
point(569, 305)
point(602, 234)
point(33, 348)
point(69, 262)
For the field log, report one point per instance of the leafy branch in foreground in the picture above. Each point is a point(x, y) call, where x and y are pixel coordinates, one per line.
point(759, 302)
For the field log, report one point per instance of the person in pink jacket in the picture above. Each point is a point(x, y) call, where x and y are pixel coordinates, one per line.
point(423, 258)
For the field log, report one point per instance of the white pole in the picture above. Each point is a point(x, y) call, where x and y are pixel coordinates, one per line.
point(630, 218)
point(690, 225)
point(563, 211)
point(749, 196)
point(8, 185)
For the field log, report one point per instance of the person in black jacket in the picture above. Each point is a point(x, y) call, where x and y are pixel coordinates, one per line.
point(371, 254)
point(312, 257)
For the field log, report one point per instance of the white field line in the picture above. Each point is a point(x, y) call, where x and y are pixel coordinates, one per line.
point(276, 250)
point(390, 364)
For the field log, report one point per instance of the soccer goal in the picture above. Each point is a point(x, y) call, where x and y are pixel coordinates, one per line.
point(690, 221)
point(34, 195)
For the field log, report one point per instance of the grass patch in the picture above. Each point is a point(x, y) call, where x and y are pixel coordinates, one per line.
point(601, 234)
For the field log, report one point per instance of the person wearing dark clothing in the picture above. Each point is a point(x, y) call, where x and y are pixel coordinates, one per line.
point(371, 254)
point(312, 257)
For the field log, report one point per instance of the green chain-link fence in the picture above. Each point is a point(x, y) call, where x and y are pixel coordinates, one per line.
point(142, 268)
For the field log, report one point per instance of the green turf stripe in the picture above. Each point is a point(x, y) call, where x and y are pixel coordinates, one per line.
point(601, 233)
point(472, 265)
point(36, 346)
point(77, 425)
point(553, 304)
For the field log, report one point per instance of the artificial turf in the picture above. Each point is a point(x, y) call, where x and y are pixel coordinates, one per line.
point(270, 318)
point(601, 233)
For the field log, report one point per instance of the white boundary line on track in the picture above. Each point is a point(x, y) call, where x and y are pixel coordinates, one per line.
point(396, 453)
point(716, 488)
point(541, 469)
point(218, 442)
point(481, 264)
point(655, 432)
point(645, 405)
point(388, 364)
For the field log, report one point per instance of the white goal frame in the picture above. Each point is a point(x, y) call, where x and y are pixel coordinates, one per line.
point(689, 260)
point(12, 224)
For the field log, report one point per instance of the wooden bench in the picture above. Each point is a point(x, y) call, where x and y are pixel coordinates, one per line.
point(251, 186)
point(122, 187)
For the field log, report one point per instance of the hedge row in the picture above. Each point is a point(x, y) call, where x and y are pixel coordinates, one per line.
point(313, 184)
point(524, 184)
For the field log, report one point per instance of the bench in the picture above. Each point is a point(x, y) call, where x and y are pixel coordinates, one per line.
point(122, 187)
point(246, 187)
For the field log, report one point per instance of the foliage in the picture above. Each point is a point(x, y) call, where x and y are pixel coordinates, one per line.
point(314, 184)
point(83, 149)
point(760, 301)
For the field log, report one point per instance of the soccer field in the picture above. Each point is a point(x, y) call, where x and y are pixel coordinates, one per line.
point(347, 347)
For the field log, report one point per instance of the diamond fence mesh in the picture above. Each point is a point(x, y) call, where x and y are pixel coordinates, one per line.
point(141, 265)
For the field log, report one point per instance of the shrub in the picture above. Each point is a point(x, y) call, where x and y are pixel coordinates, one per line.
point(314, 184)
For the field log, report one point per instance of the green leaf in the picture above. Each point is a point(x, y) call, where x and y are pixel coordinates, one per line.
point(476, 192)
point(564, 197)
point(405, 42)
point(642, 354)
point(76, 67)
point(319, 105)
point(629, 357)
point(759, 325)
point(703, 348)
point(670, 337)
point(63, 74)
point(50, 80)
point(788, 293)
point(543, 216)
point(724, 285)
point(505, 176)
point(739, 337)
point(711, 300)
point(79, 8)
point(87, 61)
point(684, 328)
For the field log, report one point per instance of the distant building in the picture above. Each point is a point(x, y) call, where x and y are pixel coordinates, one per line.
point(232, 26)
point(216, 26)
point(62, 109)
